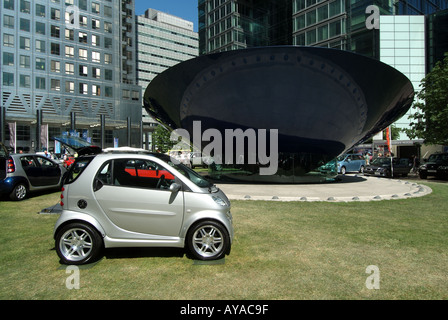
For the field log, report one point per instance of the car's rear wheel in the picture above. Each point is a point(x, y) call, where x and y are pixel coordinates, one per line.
point(78, 243)
point(208, 240)
point(19, 192)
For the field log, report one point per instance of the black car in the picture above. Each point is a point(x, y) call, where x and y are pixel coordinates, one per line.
point(436, 165)
point(382, 167)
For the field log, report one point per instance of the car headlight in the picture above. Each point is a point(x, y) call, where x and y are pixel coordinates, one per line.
point(219, 201)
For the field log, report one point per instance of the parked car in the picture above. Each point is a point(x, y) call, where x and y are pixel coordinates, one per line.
point(436, 165)
point(139, 199)
point(200, 160)
point(351, 163)
point(24, 173)
point(382, 167)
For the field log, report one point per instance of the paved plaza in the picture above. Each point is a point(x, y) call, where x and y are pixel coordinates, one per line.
point(347, 188)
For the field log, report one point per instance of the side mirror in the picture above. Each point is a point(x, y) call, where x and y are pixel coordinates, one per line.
point(175, 187)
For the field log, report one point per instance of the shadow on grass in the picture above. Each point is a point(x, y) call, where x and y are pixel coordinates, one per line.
point(129, 253)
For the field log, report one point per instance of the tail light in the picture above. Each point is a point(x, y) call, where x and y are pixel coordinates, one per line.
point(62, 197)
point(11, 167)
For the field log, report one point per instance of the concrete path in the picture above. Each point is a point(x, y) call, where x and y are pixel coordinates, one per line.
point(349, 188)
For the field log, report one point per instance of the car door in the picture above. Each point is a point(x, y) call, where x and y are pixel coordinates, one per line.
point(49, 172)
point(138, 201)
point(351, 163)
point(32, 170)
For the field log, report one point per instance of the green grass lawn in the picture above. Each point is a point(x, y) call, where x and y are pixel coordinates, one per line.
point(281, 250)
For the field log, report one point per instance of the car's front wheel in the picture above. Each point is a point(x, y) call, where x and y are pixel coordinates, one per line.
point(78, 243)
point(208, 240)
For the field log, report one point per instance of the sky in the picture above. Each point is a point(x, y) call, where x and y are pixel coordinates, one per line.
point(185, 9)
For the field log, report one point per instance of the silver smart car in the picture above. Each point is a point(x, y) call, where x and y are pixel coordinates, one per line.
point(139, 199)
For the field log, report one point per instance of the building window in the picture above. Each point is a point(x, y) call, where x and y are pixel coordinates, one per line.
point(8, 59)
point(55, 66)
point(108, 27)
point(82, 37)
point(8, 79)
point(25, 61)
point(82, 54)
point(8, 40)
point(107, 58)
point(40, 64)
point(108, 43)
point(40, 10)
point(55, 48)
point(69, 51)
point(69, 86)
point(108, 92)
point(24, 81)
point(8, 21)
point(24, 25)
point(83, 4)
point(83, 71)
point(69, 34)
point(108, 74)
point(83, 21)
point(96, 56)
point(55, 31)
point(107, 11)
point(69, 68)
point(95, 24)
point(55, 14)
point(96, 73)
point(40, 83)
point(40, 46)
point(95, 40)
point(40, 28)
point(55, 84)
point(83, 88)
point(8, 4)
point(25, 43)
point(95, 7)
point(96, 90)
point(25, 6)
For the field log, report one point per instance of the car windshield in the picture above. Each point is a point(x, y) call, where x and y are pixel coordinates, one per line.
point(192, 175)
point(380, 161)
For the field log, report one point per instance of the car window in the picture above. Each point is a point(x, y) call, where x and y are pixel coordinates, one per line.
point(44, 162)
point(28, 162)
point(77, 168)
point(136, 173)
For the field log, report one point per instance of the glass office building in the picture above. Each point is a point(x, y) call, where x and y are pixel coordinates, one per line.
point(238, 24)
point(73, 62)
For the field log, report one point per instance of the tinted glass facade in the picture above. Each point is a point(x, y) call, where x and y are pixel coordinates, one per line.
point(237, 24)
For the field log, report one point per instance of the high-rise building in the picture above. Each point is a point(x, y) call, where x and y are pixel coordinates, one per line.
point(237, 24)
point(163, 40)
point(71, 61)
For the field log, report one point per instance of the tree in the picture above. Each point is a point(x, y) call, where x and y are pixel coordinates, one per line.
point(431, 119)
point(161, 139)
